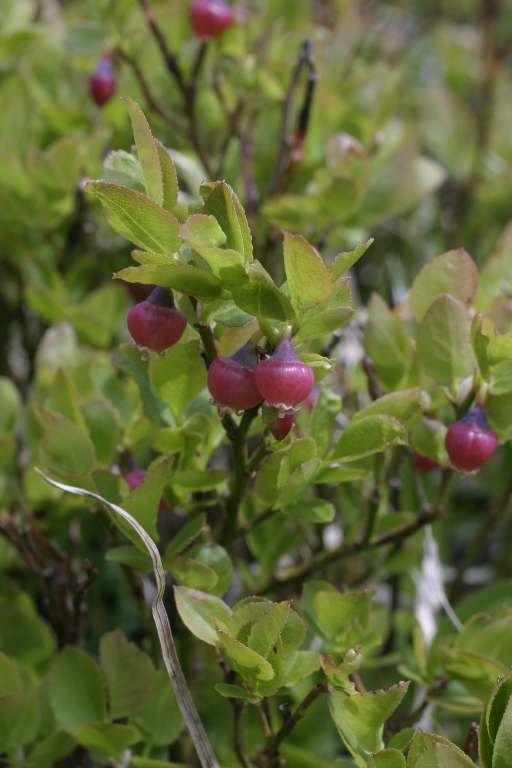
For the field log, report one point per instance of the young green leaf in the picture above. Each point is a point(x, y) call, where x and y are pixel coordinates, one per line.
point(299, 665)
point(405, 406)
point(308, 279)
point(147, 152)
point(266, 630)
point(443, 342)
point(181, 277)
point(137, 217)
point(222, 203)
point(347, 259)
point(314, 510)
point(249, 664)
point(443, 756)
point(197, 610)
point(169, 177)
point(421, 741)
point(360, 719)
point(453, 272)
point(124, 169)
point(364, 437)
point(186, 535)
point(387, 758)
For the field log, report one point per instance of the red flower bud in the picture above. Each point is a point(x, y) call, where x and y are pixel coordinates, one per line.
point(209, 18)
point(424, 463)
point(281, 427)
point(470, 442)
point(231, 381)
point(283, 380)
point(155, 324)
point(102, 83)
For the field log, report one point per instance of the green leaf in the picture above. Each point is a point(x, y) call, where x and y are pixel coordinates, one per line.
point(24, 635)
point(360, 718)
point(11, 406)
point(130, 556)
point(188, 572)
point(443, 756)
point(107, 739)
point(502, 754)
point(405, 406)
point(143, 502)
point(75, 688)
point(453, 272)
point(386, 343)
point(364, 437)
point(223, 204)
point(347, 259)
point(102, 425)
point(123, 169)
point(181, 277)
point(64, 398)
point(179, 376)
point(191, 480)
point(267, 628)
point(337, 474)
point(314, 510)
point(19, 719)
point(402, 739)
point(428, 438)
point(137, 217)
point(232, 691)
point(299, 665)
point(334, 610)
point(53, 748)
point(258, 296)
point(298, 482)
point(160, 720)
point(294, 632)
point(326, 408)
point(186, 535)
point(308, 279)
point(215, 557)
point(423, 740)
point(147, 152)
point(266, 487)
point(128, 360)
point(203, 230)
point(249, 664)
point(227, 265)
point(387, 758)
point(128, 672)
point(169, 176)
point(443, 341)
point(66, 447)
point(10, 678)
point(316, 323)
point(276, 661)
point(197, 610)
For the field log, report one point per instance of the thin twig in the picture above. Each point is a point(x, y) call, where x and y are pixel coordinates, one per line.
point(288, 141)
point(188, 709)
point(290, 724)
point(167, 115)
point(470, 741)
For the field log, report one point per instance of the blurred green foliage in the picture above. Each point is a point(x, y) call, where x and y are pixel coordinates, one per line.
point(408, 143)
